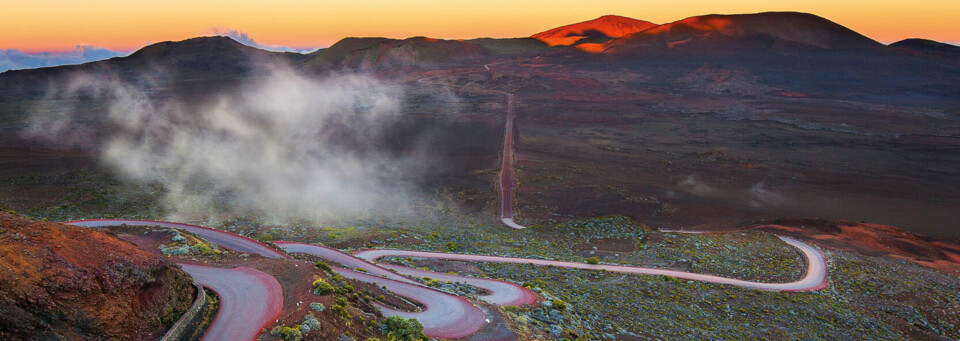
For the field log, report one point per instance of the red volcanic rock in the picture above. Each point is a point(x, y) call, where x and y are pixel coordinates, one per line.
point(872, 239)
point(59, 281)
point(777, 31)
point(603, 28)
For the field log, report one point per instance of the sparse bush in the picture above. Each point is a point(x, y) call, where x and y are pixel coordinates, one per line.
point(175, 251)
point(346, 289)
point(559, 304)
point(323, 266)
point(342, 311)
point(399, 329)
point(318, 307)
point(322, 288)
point(310, 322)
point(452, 246)
point(203, 249)
point(287, 333)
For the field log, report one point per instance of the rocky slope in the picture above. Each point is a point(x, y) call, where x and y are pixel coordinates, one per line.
point(59, 281)
point(873, 240)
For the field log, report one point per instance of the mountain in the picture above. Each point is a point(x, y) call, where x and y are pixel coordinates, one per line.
point(207, 58)
point(597, 30)
point(379, 52)
point(73, 283)
point(778, 32)
point(928, 47)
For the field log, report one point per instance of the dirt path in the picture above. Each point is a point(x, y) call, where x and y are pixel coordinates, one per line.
point(506, 182)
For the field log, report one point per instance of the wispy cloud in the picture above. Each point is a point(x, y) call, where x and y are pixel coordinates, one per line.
point(14, 59)
point(282, 147)
point(244, 38)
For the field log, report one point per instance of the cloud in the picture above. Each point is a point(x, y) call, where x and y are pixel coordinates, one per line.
point(244, 38)
point(282, 147)
point(763, 197)
point(692, 185)
point(14, 59)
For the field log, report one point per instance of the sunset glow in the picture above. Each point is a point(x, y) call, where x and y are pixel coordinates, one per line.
point(56, 25)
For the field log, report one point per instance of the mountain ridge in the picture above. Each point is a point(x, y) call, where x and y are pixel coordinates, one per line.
point(600, 29)
point(766, 31)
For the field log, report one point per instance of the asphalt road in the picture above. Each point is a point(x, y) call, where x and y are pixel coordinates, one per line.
point(814, 279)
point(498, 292)
point(227, 240)
point(250, 300)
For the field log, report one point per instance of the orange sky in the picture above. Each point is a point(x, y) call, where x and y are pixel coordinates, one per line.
point(57, 25)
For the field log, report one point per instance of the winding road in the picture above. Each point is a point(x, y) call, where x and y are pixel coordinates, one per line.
point(442, 314)
point(252, 300)
point(229, 241)
point(814, 279)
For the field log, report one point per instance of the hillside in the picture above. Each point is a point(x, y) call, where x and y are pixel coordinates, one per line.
point(779, 32)
point(929, 48)
point(70, 282)
point(873, 240)
point(384, 52)
point(598, 30)
point(206, 58)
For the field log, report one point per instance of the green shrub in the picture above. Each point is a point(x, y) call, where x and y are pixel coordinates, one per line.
point(559, 305)
point(322, 288)
point(346, 288)
point(399, 329)
point(342, 311)
point(323, 266)
point(287, 333)
point(203, 249)
point(318, 307)
point(593, 260)
point(310, 322)
point(452, 246)
point(175, 251)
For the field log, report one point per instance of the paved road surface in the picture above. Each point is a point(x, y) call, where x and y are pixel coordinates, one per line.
point(230, 241)
point(506, 181)
point(443, 315)
point(250, 300)
point(814, 279)
point(500, 292)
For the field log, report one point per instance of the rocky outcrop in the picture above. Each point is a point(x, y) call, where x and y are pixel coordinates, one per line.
point(59, 281)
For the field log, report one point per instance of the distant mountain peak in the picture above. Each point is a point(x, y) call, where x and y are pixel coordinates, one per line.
point(597, 30)
point(758, 31)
